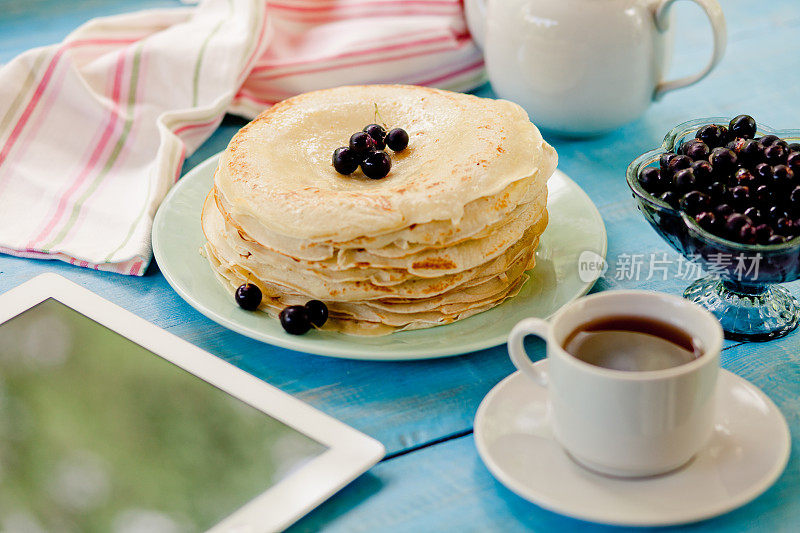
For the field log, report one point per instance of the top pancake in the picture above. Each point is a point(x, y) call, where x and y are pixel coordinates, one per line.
point(278, 169)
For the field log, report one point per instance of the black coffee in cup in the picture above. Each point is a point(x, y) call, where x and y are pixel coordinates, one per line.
point(632, 343)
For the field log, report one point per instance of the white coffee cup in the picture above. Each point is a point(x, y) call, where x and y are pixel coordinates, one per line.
point(626, 423)
point(583, 67)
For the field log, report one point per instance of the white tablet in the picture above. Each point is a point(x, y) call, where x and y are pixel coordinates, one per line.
point(109, 423)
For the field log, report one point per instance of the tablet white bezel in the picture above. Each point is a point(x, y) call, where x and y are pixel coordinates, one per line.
point(349, 452)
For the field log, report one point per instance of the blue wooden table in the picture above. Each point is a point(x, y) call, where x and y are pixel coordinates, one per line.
point(432, 478)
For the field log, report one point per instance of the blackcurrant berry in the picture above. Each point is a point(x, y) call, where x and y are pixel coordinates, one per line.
point(713, 135)
point(775, 154)
point(734, 144)
point(734, 222)
point(753, 213)
point(794, 199)
point(377, 132)
point(248, 296)
point(670, 197)
point(740, 196)
point(650, 178)
point(679, 162)
point(361, 142)
point(750, 153)
point(743, 126)
point(723, 210)
point(784, 226)
point(744, 177)
point(764, 197)
point(703, 171)
point(345, 161)
point(768, 140)
point(294, 320)
point(696, 150)
point(723, 160)
point(776, 212)
point(717, 190)
point(694, 202)
point(763, 172)
point(663, 163)
point(782, 177)
point(684, 180)
point(397, 139)
point(376, 165)
point(706, 220)
point(763, 233)
point(783, 173)
point(793, 161)
point(317, 312)
point(746, 234)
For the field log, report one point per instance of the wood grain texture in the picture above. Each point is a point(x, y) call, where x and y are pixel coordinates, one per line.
point(447, 488)
point(408, 405)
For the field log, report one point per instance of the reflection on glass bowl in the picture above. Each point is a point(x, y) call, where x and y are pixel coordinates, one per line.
point(741, 290)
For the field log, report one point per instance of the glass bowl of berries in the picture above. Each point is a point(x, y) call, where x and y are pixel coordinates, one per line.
point(726, 194)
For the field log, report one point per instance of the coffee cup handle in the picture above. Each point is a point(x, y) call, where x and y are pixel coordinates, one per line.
point(718, 27)
point(516, 349)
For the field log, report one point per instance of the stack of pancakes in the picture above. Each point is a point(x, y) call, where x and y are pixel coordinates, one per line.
point(447, 234)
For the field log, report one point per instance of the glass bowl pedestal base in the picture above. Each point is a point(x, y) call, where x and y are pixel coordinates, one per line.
point(746, 312)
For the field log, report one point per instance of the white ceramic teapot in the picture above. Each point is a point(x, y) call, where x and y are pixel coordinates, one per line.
point(582, 67)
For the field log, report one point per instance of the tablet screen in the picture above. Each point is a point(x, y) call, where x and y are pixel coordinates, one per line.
point(100, 434)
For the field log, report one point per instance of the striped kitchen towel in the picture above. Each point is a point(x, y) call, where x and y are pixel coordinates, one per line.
point(94, 131)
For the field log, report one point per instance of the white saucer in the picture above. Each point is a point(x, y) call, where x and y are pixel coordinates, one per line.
point(747, 453)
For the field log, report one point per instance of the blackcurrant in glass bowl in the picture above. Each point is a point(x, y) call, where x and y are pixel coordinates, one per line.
point(739, 220)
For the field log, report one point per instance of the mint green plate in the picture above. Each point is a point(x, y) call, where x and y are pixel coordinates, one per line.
point(575, 227)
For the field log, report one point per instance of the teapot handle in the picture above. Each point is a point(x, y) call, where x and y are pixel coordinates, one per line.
point(719, 28)
point(475, 13)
